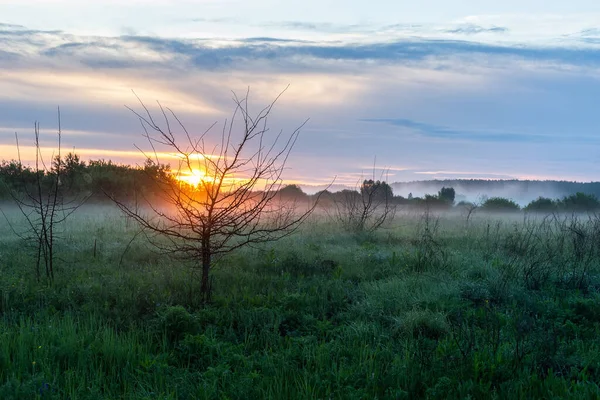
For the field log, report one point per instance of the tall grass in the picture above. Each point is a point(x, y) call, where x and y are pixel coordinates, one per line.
point(503, 308)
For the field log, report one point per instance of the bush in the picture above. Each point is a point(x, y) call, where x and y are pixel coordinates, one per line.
point(176, 322)
point(500, 204)
point(580, 202)
point(542, 204)
point(292, 192)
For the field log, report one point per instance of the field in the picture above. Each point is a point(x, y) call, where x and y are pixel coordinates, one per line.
point(429, 307)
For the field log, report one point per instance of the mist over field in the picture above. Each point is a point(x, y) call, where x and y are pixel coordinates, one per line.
point(473, 190)
point(522, 192)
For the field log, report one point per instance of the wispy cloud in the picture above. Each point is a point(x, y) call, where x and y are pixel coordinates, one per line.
point(466, 175)
point(10, 26)
point(201, 54)
point(324, 27)
point(590, 32)
point(455, 134)
point(490, 135)
point(473, 29)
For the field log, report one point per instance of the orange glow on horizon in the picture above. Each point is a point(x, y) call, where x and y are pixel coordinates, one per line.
point(193, 178)
point(135, 158)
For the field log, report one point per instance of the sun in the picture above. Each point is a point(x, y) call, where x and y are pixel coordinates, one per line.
point(194, 177)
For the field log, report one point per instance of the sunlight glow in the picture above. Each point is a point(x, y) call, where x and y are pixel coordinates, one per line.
point(194, 177)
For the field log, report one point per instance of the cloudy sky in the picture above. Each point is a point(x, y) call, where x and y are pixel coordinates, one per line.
point(431, 89)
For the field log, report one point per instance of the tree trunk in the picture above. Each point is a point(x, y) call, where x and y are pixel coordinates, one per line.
point(205, 287)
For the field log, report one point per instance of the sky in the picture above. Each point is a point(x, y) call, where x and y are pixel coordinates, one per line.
point(434, 89)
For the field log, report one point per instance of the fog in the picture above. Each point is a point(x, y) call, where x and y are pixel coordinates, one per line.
point(473, 190)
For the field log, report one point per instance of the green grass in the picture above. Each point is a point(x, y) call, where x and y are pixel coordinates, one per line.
point(452, 312)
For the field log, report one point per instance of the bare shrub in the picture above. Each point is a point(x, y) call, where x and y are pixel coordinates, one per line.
point(44, 201)
point(366, 208)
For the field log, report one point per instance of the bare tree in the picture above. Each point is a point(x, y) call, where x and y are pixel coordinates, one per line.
point(42, 202)
point(233, 200)
point(367, 207)
point(468, 208)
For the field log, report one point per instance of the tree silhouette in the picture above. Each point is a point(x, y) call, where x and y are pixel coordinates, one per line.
point(500, 204)
point(447, 195)
point(235, 203)
point(367, 208)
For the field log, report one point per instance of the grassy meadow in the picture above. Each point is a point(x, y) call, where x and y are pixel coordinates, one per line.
point(505, 307)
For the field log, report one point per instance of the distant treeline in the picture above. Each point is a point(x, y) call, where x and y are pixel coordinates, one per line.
point(96, 178)
point(522, 191)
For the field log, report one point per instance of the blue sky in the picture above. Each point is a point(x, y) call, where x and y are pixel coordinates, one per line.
point(432, 89)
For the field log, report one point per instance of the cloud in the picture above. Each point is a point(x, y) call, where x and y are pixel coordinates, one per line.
point(291, 55)
point(591, 32)
point(310, 26)
point(362, 32)
point(69, 86)
point(272, 40)
point(455, 134)
point(590, 36)
point(28, 153)
point(324, 27)
point(472, 29)
point(466, 175)
point(8, 55)
point(216, 20)
point(274, 53)
point(11, 130)
point(76, 48)
point(442, 132)
point(10, 26)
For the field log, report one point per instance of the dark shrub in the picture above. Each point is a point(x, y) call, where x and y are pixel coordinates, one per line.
point(542, 204)
point(500, 204)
